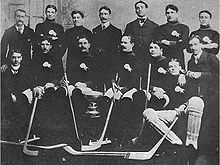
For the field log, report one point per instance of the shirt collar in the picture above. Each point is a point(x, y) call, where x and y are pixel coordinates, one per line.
point(105, 25)
point(22, 28)
point(198, 55)
point(14, 69)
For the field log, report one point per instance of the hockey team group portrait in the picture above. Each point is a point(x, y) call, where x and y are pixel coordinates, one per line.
point(97, 82)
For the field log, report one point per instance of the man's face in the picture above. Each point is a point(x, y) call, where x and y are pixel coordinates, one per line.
point(45, 46)
point(204, 19)
point(19, 18)
point(84, 45)
point(77, 19)
point(174, 68)
point(126, 45)
point(155, 50)
point(104, 16)
point(171, 15)
point(195, 46)
point(16, 59)
point(51, 13)
point(141, 10)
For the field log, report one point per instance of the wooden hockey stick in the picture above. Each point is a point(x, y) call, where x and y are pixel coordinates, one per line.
point(72, 110)
point(139, 155)
point(25, 149)
point(134, 140)
point(101, 141)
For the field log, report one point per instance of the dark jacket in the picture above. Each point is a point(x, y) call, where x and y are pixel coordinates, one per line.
point(211, 35)
point(14, 40)
point(47, 68)
point(142, 35)
point(207, 84)
point(70, 41)
point(107, 40)
point(177, 33)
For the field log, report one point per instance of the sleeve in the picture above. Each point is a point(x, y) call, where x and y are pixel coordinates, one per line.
point(128, 30)
point(4, 46)
point(213, 63)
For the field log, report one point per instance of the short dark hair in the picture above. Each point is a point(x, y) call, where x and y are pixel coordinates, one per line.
point(105, 8)
point(171, 6)
point(206, 11)
point(88, 38)
point(130, 37)
point(77, 12)
point(46, 38)
point(15, 50)
point(51, 6)
point(162, 46)
point(146, 5)
point(21, 10)
point(195, 36)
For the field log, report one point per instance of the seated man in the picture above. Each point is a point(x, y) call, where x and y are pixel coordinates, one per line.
point(16, 94)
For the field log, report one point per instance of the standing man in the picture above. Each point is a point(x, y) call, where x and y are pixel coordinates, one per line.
point(106, 40)
point(49, 27)
point(106, 36)
point(173, 35)
point(71, 36)
point(210, 37)
point(141, 29)
point(18, 36)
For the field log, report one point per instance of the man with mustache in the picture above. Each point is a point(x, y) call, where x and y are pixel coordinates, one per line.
point(82, 69)
point(18, 36)
point(106, 39)
point(71, 36)
point(173, 35)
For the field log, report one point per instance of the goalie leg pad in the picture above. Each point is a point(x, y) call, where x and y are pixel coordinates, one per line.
point(195, 110)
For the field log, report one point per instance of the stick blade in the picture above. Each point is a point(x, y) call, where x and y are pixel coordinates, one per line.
point(139, 155)
point(30, 152)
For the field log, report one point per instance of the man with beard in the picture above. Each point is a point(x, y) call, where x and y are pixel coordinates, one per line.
point(16, 94)
point(49, 27)
point(141, 29)
point(210, 37)
point(18, 36)
point(71, 36)
point(173, 35)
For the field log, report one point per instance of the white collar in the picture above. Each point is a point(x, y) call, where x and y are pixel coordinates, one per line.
point(14, 69)
point(22, 28)
point(107, 24)
point(198, 55)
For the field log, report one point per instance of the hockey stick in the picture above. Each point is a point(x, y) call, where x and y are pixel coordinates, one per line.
point(25, 149)
point(145, 106)
point(126, 155)
point(95, 145)
point(35, 146)
point(72, 110)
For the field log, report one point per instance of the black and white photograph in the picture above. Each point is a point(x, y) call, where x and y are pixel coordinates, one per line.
point(109, 82)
